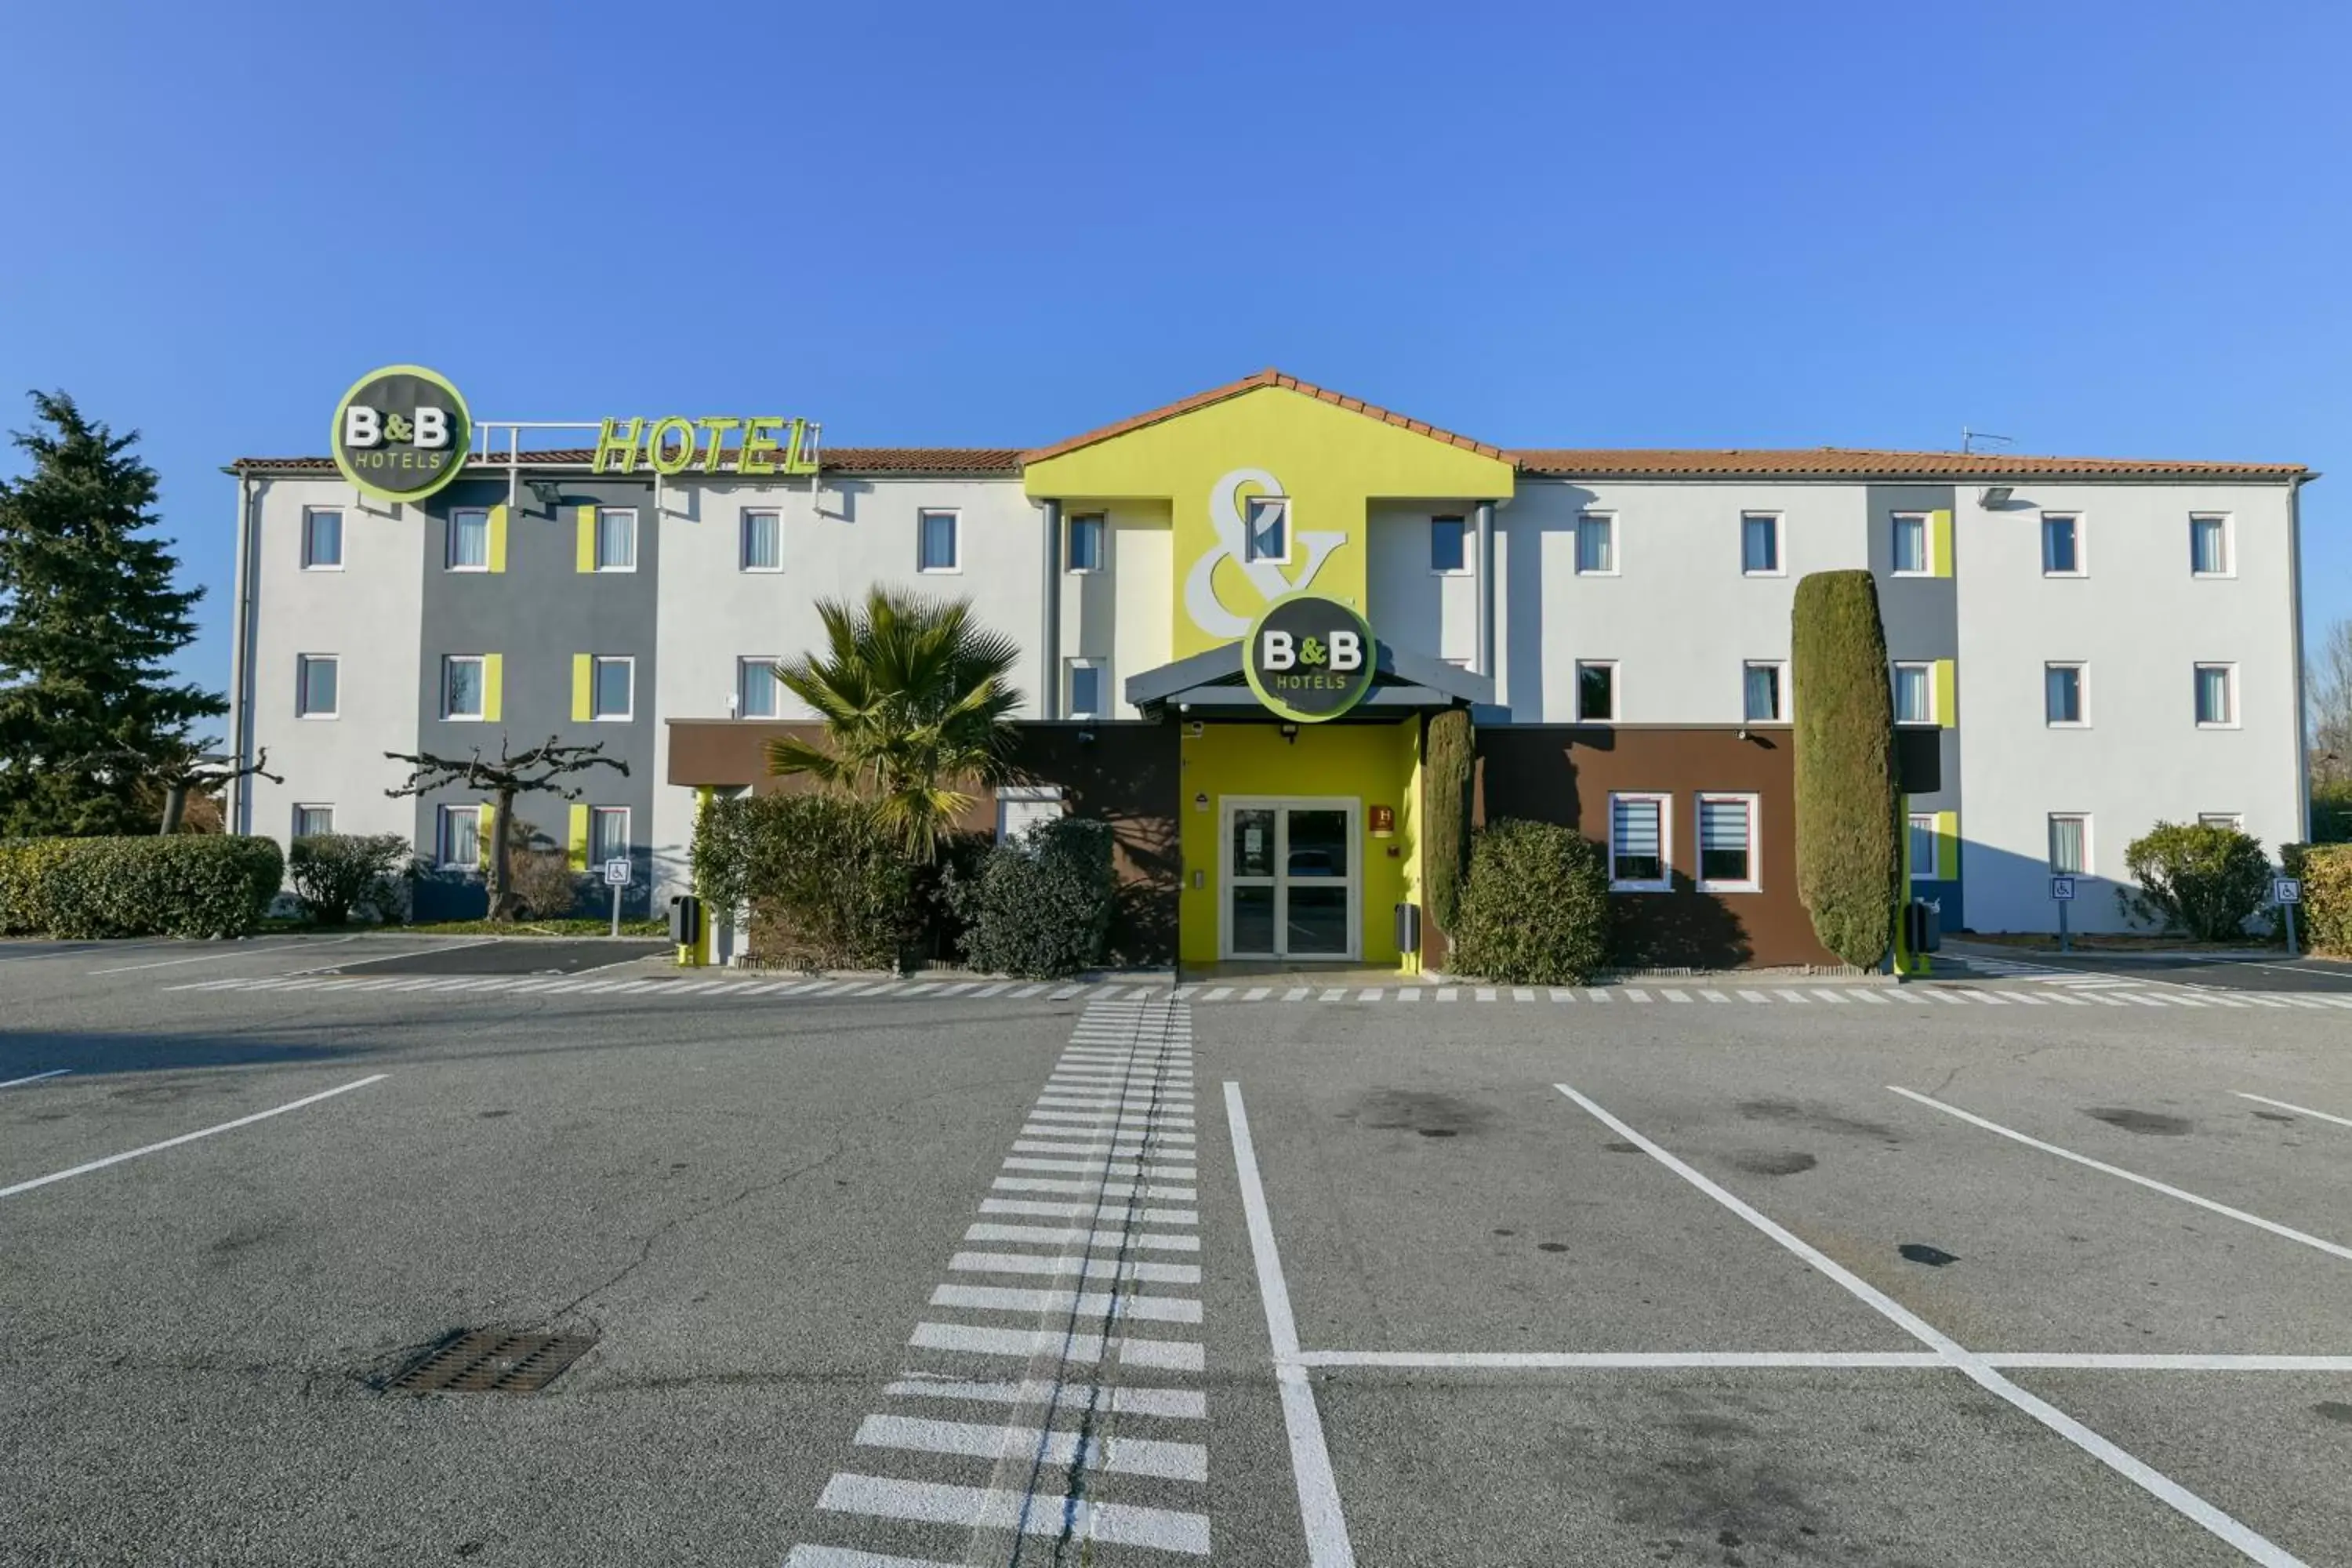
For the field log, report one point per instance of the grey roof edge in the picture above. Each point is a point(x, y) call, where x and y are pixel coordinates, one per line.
point(1224, 664)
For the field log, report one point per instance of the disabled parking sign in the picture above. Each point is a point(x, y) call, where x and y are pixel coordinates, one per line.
point(2062, 888)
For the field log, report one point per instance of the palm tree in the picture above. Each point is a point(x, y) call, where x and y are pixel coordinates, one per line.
point(912, 695)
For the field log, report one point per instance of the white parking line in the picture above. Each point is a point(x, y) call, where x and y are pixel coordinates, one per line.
point(36, 1077)
point(1131, 1456)
point(2332, 1248)
point(2241, 1094)
point(189, 1137)
point(1974, 1367)
point(227, 952)
point(979, 1507)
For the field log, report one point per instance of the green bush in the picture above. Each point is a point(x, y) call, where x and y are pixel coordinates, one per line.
point(1535, 909)
point(2326, 915)
point(1446, 772)
point(1849, 854)
point(188, 885)
point(825, 885)
point(2195, 877)
point(334, 873)
point(2331, 812)
point(1040, 905)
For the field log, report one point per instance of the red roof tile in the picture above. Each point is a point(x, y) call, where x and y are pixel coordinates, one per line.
point(1853, 462)
point(835, 460)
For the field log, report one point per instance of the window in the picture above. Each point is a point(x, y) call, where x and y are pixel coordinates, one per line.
point(2062, 694)
point(1923, 849)
point(1726, 843)
point(1760, 682)
point(757, 693)
point(1086, 693)
point(1266, 531)
point(1638, 842)
point(310, 821)
point(316, 675)
point(2209, 546)
point(617, 540)
point(2232, 820)
point(2217, 695)
point(2062, 545)
point(1911, 555)
point(469, 541)
point(459, 846)
point(937, 544)
point(1914, 700)
point(461, 687)
point(1449, 544)
point(611, 686)
point(1086, 549)
point(323, 540)
point(1596, 545)
point(608, 834)
point(1759, 544)
point(2070, 844)
point(763, 542)
point(1020, 808)
point(1596, 692)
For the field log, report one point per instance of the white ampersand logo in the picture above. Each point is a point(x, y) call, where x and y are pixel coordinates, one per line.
point(1201, 602)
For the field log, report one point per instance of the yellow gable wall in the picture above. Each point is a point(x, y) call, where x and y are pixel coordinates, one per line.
point(1208, 462)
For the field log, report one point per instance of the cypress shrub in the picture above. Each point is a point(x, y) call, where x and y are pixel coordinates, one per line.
point(1040, 907)
point(2195, 877)
point(1849, 860)
point(1445, 814)
point(2324, 922)
point(1535, 908)
point(186, 885)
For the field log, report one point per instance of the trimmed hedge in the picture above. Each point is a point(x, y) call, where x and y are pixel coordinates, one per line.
point(187, 885)
point(1040, 908)
point(827, 886)
point(1849, 850)
point(2195, 877)
point(1445, 814)
point(2326, 916)
point(1534, 910)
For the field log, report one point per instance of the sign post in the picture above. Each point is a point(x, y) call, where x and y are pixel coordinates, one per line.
point(2062, 892)
point(616, 876)
point(2286, 892)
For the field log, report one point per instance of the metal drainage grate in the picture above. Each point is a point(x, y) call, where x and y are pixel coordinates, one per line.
point(492, 1360)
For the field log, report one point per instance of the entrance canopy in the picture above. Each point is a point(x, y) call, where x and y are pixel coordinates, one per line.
point(1212, 685)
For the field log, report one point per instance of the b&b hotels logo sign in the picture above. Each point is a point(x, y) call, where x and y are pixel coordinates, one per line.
point(1309, 658)
point(402, 433)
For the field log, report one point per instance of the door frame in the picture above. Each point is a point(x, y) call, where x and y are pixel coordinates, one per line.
point(1227, 804)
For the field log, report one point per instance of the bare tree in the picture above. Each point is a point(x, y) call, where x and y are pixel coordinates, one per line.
point(2328, 689)
point(180, 769)
point(535, 772)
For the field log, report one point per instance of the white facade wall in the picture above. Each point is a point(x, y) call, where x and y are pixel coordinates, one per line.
point(2139, 621)
point(370, 616)
point(1415, 608)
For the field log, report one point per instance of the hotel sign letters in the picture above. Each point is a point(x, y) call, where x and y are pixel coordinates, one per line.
point(1309, 658)
point(674, 445)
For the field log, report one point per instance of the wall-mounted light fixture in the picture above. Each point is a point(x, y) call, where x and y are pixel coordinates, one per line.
point(546, 492)
point(1995, 495)
point(1290, 733)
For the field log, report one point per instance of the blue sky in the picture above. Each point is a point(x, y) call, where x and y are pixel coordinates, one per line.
point(2113, 229)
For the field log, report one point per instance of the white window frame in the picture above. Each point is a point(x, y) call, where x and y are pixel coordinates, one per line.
point(1895, 684)
point(596, 545)
point(448, 662)
point(1779, 567)
point(2082, 550)
point(1665, 803)
point(1780, 666)
point(1608, 521)
point(1025, 794)
point(300, 807)
point(1289, 509)
point(596, 663)
point(1914, 822)
point(954, 515)
point(743, 539)
point(2050, 842)
point(2227, 521)
point(449, 562)
point(2235, 821)
point(1754, 881)
point(745, 666)
point(1927, 521)
point(302, 663)
point(597, 814)
point(442, 838)
point(1070, 526)
point(2229, 669)
point(1616, 690)
point(1469, 567)
point(1070, 668)
point(2082, 693)
point(311, 562)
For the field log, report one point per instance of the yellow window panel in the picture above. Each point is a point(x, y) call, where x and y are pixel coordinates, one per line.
point(577, 837)
point(498, 545)
point(586, 533)
point(584, 676)
point(493, 671)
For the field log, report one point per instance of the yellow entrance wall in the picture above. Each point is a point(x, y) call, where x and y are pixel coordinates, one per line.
point(1375, 765)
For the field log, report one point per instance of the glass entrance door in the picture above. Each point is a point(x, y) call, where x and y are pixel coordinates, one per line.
point(1290, 878)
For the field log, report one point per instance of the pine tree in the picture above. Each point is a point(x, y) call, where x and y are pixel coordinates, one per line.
point(88, 617)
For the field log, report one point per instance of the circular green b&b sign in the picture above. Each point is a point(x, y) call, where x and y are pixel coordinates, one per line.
point(402, 433)
point(1309, 658)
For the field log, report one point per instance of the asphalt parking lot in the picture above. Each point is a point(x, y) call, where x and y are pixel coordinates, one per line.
point(872, 1280)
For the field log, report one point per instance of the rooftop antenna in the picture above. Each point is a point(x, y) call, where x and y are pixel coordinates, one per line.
point(1969, 439)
